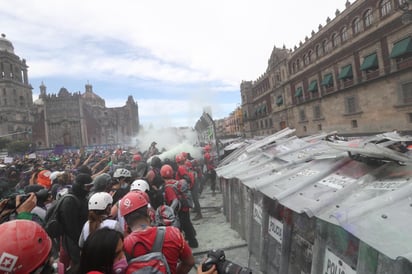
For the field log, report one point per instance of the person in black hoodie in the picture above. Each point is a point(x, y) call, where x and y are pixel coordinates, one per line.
point(73, 213)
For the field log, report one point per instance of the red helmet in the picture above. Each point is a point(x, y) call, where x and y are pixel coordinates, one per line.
point(165, 216)
point(24, 248)
point(207, 148)
point(188, 164)
point(179, 158)
point(131, 202)
point(166, 172)
point(43, 178)
point(184, 155)
point(137, 157)
point(207, 156)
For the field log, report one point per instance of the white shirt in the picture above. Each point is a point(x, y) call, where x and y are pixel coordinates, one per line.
point(113, 224)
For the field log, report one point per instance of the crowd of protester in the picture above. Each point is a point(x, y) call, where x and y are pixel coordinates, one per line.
point(110, 205)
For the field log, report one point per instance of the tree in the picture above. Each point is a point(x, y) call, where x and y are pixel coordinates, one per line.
point(19, 146)
point(4, 142)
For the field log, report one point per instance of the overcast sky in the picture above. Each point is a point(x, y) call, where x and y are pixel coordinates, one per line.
point(174, 57)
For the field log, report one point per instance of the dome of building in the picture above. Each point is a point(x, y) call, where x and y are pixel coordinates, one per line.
point(92, 98)
point(5, 45)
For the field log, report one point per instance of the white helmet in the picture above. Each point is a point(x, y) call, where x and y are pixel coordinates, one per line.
point(62, 192)
point(140, 184)
point(122, 172)
point(100, 201)
point(55, 174)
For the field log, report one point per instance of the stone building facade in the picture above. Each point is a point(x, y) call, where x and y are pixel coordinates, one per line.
point(70, 119)
point(16, 100)
point(353, 76)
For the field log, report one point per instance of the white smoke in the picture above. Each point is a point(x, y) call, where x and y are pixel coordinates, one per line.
point(170, 141)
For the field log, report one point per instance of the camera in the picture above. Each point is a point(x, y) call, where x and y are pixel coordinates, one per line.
point(42, 195)
point(217, 257)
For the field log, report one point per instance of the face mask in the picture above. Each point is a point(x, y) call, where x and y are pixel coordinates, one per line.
point(120, 266)
point(124, 185)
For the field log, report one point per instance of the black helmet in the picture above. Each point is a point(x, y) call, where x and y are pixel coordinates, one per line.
point(156, 162)
point(101, 182)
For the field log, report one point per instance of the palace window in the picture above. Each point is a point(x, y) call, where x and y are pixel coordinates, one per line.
point(317, 114)
point(302, 115)
point(406, 93)
point(357, 26)
point(386, 7)
point(370, 62)
point(344, 34)
point(318, 51)
point(313, 86)
point(346, 72)
point(351, 105)
point(335, 40)
point(354, 123)
point(325, 46)
point(327, 80)
point(402, 48)
point(368, 18)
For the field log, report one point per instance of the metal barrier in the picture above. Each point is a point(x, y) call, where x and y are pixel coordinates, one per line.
point(328, 215)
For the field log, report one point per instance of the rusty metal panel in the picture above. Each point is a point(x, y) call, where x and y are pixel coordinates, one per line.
point(256, 225)
point(225, 188)
point(236, 205)
point(302, 240)
point(334, 243)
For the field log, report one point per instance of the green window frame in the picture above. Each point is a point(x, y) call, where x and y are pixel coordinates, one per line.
point(370, 62)
point(299, 92)
point(327, 80)
point(313, 86)
point(402, 48)
point(279, 100)
point(346, 72)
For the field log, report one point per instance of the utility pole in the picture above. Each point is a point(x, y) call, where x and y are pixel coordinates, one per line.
point(16, 133)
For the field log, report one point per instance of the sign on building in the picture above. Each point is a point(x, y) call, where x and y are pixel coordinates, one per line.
point(334, 265)
point(275, 229)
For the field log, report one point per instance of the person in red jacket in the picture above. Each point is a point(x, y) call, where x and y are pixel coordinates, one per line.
point(194, 188)
point(183, 171)
point(178, 204)
point(133, 207)
point(210, 169)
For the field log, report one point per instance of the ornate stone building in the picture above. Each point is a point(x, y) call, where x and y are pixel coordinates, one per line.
point(354, 75)
point(70, 119)
point(16, 97)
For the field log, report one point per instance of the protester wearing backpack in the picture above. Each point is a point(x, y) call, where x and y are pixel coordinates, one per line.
point(137, 185)
point(175, 198)
point(73, 215)
point(156, 183)
point(145, 246)
point(103, 253)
